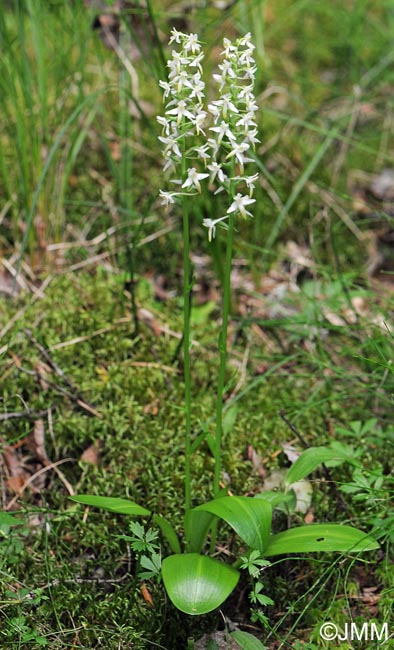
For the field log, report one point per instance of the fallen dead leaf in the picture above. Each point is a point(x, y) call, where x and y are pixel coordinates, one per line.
point(382, 186)
point(290, 452)
point(15, 483)
point(256, 460)
point(152, 408)
point(43, 370)
point(36, 442)
point(91, 455)
point(303, 491)
point(146, 595)
point(309, 517)
point(299, 255)
point(369, 595)
point(148, 319)
point(115, 150)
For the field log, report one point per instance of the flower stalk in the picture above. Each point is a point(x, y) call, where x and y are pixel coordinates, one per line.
point(221, 158)
point(181, 124)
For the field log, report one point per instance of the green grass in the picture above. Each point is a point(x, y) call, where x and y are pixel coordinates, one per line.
point(79, 180)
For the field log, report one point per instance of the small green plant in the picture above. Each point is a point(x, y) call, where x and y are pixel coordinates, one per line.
point(195, 582)
point(146, 547)
point(21, 631)
point(254, 565)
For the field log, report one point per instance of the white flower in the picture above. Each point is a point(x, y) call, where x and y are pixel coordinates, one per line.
point(216, 170)
point(202, 152)
point(175, 36)
point(222, 106)
point(166, 87)
point(246, 41)
point(181, 110)
point(223, 130)
point(246, 121)
point(182, 80)
point(251, 137)
point(229, 47)
point(197, 87)
point(249, 180)
point(193, 179)
point(249, 73)
point(199, 121)
point(238, 151)
point(191, 43)
point(196, 62)
point(234, 128)
point(167, 197)
point(177, 61)
point(211, 225)
point(166, 124)
point(250, 104)
point(226, 71)
point(172, 146)
point(239, 203)
point(246, 91)
point(214, 110)
point(213, 145)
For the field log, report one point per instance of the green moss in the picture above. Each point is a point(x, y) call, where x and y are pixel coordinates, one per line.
point(137, 389)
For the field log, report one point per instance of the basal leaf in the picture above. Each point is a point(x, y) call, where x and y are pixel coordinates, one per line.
point(197, 584)
point(247, 641)
point(197, 524)
point(168, 532)
point(113, 504)
point(249, 517)
point(320, 537)
point(309, 460)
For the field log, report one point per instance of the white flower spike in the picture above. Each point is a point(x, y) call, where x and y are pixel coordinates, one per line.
point(222, 157)
point(184, 116)
point(234, 132)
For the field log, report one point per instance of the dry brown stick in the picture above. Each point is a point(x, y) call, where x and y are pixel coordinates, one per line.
point(293, 429)
point(49, 360)
point(74, 395)
point(30, 415)
point(31, 478)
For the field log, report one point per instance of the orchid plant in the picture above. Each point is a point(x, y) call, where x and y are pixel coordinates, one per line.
point(209, 148)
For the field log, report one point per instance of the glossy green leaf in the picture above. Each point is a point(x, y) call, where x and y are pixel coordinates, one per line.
point(320, 537)
point(113, 504)
point(168, 532)
point(197, 584)
point(310, 459)
point(247, 641)
point(197, 524)
point(249, 517)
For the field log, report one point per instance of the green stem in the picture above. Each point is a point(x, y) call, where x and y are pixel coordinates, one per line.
point(223, 353)
point(125, 174)
point(186, 342)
